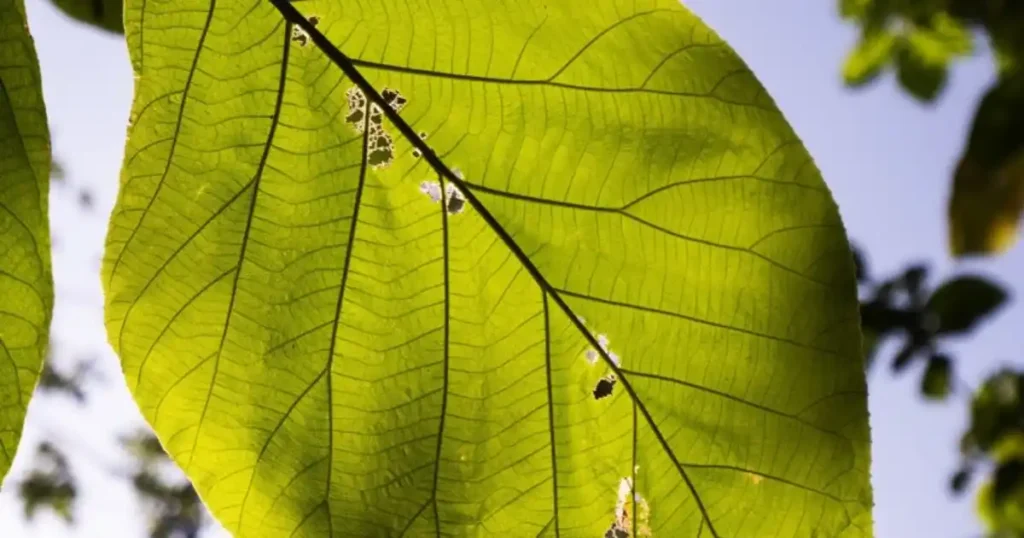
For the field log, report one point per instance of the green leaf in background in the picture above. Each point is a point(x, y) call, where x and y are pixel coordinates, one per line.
point(105, 14)
point(26, 287)
point(960, 303)
point(941, 40)
point(916, 74)
point(550, 269)
point(919, 39)
point(869, 57)
point(1000, 500)
point(937, 379)
point(987, 198)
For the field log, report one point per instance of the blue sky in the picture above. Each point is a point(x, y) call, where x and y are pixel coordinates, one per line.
point(887, 160)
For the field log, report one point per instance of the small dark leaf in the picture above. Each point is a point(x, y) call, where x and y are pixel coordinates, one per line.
point(962, 302)
point(960, 480)
point(921, 78)
point(935, 383)
point(105, 14)
point(1009, 476)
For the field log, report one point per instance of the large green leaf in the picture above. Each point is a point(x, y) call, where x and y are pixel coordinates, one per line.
point(26, 287)
point(328, 352)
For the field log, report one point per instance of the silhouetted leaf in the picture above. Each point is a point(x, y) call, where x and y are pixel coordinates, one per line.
point(988, 186)
point(921, 79)
point(936, 381)
point(960, 303)
point(105, 14)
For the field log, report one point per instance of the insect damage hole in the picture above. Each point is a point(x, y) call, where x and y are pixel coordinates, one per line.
point(454, 200)
point(622, 526)
point(300, 36)
point(592, 355)
point(605, 386)
point(380, 148)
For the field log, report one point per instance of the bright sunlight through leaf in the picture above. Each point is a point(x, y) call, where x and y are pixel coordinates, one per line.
point(26, 287)
point(514, 269)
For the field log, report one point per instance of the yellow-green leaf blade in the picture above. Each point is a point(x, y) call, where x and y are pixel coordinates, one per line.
point(327, 351)
point(26, 288)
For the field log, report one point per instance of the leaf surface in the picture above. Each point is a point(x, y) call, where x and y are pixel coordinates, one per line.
point(26, 286)
point(512, 269)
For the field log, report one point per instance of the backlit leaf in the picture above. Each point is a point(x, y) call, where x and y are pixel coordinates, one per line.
point(869, 57)
point(511, 264)
point(26, 287)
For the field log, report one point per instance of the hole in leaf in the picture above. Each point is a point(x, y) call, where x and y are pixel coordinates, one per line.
point(592, 355)
point(623, 525)
point(356, 108)
point(380, 149)
point(394, 98)
point(431, 189)
point(454, 203)
point(300, 36)
point(616, 532)
point(604, 386)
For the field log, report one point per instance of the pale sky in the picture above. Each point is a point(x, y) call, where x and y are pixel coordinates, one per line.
point(886, 159)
